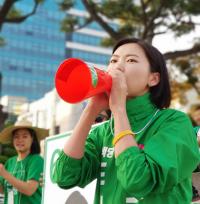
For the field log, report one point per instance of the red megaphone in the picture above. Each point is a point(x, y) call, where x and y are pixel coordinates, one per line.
point(76, 81)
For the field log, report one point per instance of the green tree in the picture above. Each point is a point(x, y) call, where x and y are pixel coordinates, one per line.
point(144, 19)
point(7, 150)
point(9, 14)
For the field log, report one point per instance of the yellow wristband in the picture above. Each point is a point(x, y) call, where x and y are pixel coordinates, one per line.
point(120, 135)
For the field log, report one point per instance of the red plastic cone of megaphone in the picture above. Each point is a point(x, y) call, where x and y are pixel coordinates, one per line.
point(76, 81)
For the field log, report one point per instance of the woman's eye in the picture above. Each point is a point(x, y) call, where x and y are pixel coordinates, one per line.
point(25, 136)
point(113, 60)
point(131, 60)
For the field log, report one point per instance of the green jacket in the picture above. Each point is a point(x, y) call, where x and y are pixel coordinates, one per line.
point(29, 168)
point(157, 172)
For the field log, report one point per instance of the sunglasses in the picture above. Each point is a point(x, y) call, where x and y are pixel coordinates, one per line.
point(100, 118)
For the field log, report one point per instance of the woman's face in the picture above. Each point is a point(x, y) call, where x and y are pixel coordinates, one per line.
point(101, 117)
point(22, 140)
point(131, 59)
point(196, 117)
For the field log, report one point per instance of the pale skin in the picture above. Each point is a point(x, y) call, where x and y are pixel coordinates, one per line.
point(196, 116)
point(198, 140)
point(22, 142)
point(131, 77)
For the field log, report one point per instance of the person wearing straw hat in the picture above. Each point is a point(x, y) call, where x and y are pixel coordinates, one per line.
point(19, 177)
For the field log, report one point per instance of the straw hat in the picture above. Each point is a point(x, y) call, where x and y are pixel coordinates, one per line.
point(6, 134)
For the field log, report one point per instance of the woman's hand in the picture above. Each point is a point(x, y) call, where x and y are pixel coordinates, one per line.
point(119, 90)
point(98, 103)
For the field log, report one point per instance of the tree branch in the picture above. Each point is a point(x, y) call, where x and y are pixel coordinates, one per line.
point(23, 18)
point(182, 53)
point(150, 24)
point(156, 33)
point(78, 27)
point(4, 11)
point(97, 18)
point(144, 12)
point(7, 7)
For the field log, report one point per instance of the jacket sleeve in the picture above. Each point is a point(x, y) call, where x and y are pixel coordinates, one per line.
point(70, 172)
point(168, 157)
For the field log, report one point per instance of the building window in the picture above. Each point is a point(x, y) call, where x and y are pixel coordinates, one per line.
point(13, 67)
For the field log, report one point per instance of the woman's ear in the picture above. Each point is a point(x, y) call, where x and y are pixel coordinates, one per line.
point(154, 79)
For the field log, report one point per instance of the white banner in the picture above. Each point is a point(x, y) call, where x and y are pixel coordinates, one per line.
point(52, 194)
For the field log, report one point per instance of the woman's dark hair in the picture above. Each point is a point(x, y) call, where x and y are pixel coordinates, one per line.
point(35, 147)
point(108, 112)
point(160, 94)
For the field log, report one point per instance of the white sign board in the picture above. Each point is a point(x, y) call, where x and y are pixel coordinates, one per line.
point(52, 194)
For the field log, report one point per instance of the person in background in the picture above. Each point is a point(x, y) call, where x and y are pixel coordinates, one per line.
point(146, 152)
point(19, 177)
point(103, 116)
point(197, 131)
point(194, 114)
point(195, 192)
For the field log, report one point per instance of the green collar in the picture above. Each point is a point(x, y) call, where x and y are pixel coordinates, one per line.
point(141, 113)
point(140, 107)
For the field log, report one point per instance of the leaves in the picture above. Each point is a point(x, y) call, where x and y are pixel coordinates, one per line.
point(68, 24)
point(181, 28)
point(66, 4)
point(13, 13)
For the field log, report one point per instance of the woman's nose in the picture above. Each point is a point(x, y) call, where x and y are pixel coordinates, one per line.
point(19, 139)
point(120, 66)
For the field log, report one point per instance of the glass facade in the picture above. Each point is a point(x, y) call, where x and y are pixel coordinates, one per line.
point(33, 51)
point(91, 57)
